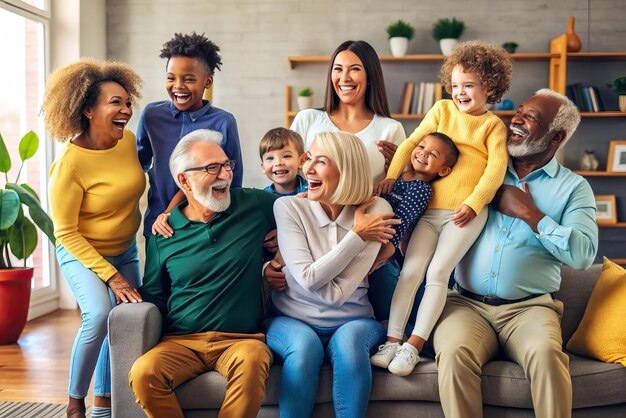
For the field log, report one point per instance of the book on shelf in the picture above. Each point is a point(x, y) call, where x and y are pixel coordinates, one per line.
point(586, 98)
point(438, 92)
point(407, 95)
point(420, 99)
point(596, 99)
point(416, 90)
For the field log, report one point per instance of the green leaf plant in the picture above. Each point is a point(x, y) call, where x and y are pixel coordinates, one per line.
point(18, 232)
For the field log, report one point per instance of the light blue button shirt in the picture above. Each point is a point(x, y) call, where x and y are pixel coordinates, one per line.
point(510, 261)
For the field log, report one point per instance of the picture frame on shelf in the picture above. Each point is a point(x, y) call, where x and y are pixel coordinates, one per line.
point(616, 162)
point(606, 213)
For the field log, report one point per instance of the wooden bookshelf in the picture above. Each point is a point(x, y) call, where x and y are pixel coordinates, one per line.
point(319, 59)
point(606, 114)
point(615, 225)
point(598, 173)
point(596, 56)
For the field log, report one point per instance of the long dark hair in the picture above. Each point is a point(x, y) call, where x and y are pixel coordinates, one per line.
point(375, 94)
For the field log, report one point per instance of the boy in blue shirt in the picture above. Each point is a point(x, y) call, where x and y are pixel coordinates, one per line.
point(282, 153)
point(191, 62)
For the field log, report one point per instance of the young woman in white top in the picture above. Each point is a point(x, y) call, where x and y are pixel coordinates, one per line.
point(355, 101)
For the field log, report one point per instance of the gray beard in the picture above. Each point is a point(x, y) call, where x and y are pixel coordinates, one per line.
point(524, 149)
point(211, 203)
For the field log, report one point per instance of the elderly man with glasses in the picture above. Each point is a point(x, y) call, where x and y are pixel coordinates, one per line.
point(206, 280)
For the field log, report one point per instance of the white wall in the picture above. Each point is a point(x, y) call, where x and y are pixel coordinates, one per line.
point(256, 36)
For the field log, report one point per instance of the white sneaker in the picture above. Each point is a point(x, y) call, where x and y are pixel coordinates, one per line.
point(405, 360)
point(386, 353)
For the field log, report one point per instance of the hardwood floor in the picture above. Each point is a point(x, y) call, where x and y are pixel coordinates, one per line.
point(36, 368)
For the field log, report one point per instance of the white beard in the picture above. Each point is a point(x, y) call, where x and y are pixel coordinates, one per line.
point(524, 149)
point(207, 200)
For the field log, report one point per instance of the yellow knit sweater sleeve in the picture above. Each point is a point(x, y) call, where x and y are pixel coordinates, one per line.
point(66, 192)
point(495, 170)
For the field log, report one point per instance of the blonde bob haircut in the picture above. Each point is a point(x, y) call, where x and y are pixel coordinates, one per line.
point(355, 176)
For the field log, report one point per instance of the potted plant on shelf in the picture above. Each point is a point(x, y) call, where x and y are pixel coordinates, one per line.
point(447, 32)
point(619, 85)
point(305, 98)
point(18, 236)
point(510, 46)
point(400, 33)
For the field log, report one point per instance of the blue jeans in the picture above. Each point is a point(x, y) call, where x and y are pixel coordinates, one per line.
point(95, 299)
point(301, 349)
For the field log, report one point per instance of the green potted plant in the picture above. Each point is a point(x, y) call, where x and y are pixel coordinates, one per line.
point(619, 86)
point(448, 31)
point(400, 33)
point(305, 98)
point(510, 46)
point(18, 236)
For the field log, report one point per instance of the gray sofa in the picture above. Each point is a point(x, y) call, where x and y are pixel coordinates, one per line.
point(598, 387)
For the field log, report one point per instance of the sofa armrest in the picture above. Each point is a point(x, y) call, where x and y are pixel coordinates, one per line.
point(134, 328)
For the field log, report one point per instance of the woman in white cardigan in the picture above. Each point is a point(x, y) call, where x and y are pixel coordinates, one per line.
point(328, 241)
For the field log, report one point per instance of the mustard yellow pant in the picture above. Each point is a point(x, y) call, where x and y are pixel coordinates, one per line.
point(470, 333)
point(243, 359)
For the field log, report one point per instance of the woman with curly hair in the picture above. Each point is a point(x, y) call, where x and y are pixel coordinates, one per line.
point(475, 74)
point(95, 186)
point(191, 62)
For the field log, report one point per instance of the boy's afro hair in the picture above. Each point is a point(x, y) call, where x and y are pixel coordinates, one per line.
point(193, 46)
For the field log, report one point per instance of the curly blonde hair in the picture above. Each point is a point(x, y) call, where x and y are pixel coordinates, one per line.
point(75, 88)
point(492, 64)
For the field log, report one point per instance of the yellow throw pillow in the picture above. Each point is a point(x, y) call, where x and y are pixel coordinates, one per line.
point(601, 333)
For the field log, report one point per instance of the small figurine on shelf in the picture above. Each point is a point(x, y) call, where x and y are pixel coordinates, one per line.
point(588, 161)
point(506, 104)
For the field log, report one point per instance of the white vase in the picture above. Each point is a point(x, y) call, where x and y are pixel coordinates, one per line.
point(305, 102)
point(622, 103)
point(398, 46)
point(447, 45)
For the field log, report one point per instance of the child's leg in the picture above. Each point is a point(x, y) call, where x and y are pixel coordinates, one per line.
point(453, 243)
point(386, 252)
point(419, 252)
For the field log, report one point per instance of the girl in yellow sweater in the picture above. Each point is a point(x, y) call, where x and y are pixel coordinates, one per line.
point(475, 74)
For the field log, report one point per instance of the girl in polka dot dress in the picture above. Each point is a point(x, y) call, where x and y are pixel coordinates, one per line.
point(431, 159)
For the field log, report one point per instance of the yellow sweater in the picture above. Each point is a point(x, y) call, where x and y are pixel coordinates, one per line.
point(481, 167)
point(94, 196)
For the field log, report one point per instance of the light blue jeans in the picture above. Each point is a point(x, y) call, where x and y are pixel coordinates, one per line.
point(95, 299)
point(301, 349)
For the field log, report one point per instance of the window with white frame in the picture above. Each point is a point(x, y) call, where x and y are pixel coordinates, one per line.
point(24, 28)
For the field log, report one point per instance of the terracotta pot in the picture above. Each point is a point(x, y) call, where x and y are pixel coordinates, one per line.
point(14, 301)
point(573, 41)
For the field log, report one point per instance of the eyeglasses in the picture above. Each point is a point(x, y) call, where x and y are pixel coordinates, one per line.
point(214, 168)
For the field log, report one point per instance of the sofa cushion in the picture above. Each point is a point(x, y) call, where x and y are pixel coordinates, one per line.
point(602, 330)
point(576, 287)
point(503, 384)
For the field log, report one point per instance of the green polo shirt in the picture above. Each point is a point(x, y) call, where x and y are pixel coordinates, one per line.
point(207, 276)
